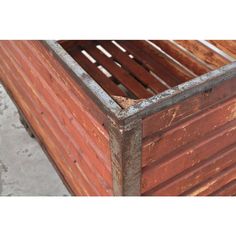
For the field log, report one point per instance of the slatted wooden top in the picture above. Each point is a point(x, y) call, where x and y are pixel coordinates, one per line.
point(139, 69)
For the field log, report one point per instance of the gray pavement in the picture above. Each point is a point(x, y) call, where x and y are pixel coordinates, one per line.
point(24, 168)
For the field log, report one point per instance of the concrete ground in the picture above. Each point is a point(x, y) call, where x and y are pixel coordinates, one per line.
point(24, 168)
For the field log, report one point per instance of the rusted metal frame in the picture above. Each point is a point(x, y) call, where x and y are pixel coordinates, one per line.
point(126, 157)
point(32, 131)
point(105, 102)
point(125, 126)
point(125, 140)
point(177, 94)
point(147, 106)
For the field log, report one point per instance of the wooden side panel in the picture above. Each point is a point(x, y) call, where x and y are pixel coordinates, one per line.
point(191, 146)
point(68, 123)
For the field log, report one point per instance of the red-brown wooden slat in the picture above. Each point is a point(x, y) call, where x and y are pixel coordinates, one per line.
point(75, 130)
point(56, 126)
point(119, 73)
point(228, 190)
point(181, 73)
point(213, 183)
point(204, 53)
point(188, 131)
point(45, 134)
point(136, 69)
point(94, 129)
point(149, 62)
point(22, 64)
point(188, 157)
point(228, 46)
point(183, 56)
point(33, 109)
point(193, 176)
point(63, 114)
point(186, 109)
point(108, 85)
point(67, 44)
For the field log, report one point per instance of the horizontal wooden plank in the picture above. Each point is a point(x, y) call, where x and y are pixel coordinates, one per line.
point(54, 124)
point(73, 87)
point(193, 176)
point(188, 131)
point(77, 112)
point(75, 132)
point(60, 118)
point(46, 135)
point(228, 190)
point(213, 183)
point(179, 169)
point(186, 109)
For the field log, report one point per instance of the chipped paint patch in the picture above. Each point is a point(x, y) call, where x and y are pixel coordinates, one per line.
point(233, 112)
point(203, 188)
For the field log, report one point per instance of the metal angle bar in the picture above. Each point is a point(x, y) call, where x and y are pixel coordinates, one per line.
point(126, 155)
point(100, 97)
point(179, 93)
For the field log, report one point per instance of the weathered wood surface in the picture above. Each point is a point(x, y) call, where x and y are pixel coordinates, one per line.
point(179, 142)
point(61, 113)
point(210, 57)
point(187, 143)
point(183, 56)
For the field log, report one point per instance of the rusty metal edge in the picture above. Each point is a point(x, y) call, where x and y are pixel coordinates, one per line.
point(125, 126)
point(105, 102)
point(21, 113)
point(126, 157)
point(177, 94)
point(125, 141)
point(150, 105)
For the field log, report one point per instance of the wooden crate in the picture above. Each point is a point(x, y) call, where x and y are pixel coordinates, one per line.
point(130, 117)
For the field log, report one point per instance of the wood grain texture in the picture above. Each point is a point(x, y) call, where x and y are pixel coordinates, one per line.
point(180, 142)
point(183, 56)
point(149, 62)
point(55, 100)
point(227, 190)
point(204, 53)
point(133, 67)
point(214, 183)
point(188, 143)
point(195, 128)
point(184, 181)
point(122, 75)
point(228, 46)
point(107, 84)
point(187, 108)
point(193, 163)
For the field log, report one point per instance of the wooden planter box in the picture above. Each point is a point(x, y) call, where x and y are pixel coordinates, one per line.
point(130, 117)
